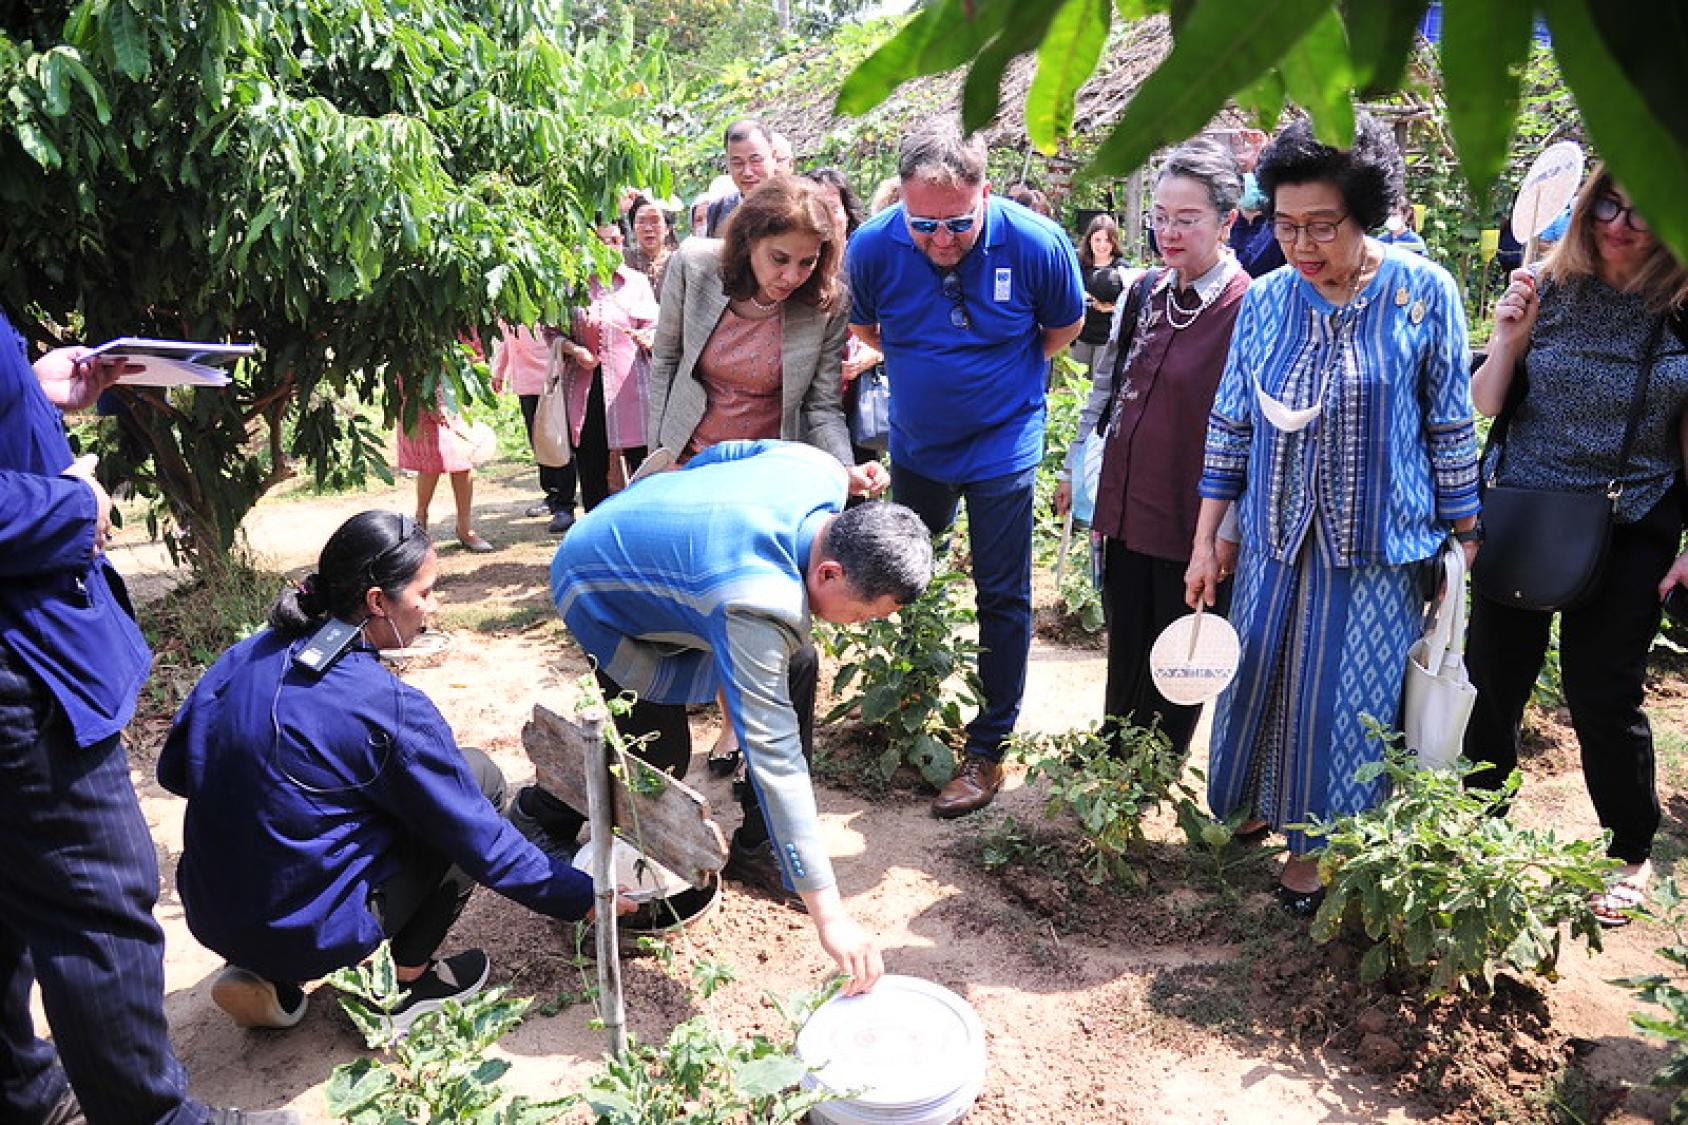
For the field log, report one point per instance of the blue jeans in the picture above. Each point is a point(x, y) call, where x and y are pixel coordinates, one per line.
point(999, 528)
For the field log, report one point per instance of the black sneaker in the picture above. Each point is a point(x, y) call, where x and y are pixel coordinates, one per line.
point(534, 511)
point(252, 1001)
point(560, 523)
point(541, 837)
point(455, 978)
point(757, 868)
point(254, 1117)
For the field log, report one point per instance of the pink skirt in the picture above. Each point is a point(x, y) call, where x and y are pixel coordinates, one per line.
point(432, 448)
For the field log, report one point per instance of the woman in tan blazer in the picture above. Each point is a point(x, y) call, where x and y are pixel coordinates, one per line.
point(750, 338)
point(750, 344)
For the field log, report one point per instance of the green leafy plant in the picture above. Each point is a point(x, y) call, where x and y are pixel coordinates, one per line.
point(1441, 884)
point(1003, 841)
point(1107, 790)
point(910, 675)
point(1215, 840)
point(437, 1072)
point(704, 1076)
point(1668, 909)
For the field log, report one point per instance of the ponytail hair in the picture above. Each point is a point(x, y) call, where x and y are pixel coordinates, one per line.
point(371, 550)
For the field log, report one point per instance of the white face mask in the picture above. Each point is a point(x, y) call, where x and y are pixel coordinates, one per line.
point(1289, 420)
point(1282, 417)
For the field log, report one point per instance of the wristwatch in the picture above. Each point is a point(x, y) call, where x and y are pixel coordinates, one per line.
point(1474, 535)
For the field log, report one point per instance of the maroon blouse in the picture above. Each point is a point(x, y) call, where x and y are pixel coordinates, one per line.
point(1153, 458)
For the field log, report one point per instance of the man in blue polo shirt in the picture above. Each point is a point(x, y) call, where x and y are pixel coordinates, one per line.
point(969, 297)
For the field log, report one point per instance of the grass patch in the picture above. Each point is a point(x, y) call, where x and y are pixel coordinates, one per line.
point(192, 625)
point(492, 618)
point(1215, 996)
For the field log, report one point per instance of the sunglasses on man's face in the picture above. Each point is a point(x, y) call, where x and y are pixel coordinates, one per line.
point(959, 224)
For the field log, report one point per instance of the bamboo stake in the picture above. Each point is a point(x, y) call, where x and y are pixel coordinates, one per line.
point(600, 810)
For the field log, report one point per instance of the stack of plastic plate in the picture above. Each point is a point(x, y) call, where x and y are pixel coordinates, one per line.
point(909, 1052)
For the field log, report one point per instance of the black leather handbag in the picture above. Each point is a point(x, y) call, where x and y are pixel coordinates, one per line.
point(1546, 549)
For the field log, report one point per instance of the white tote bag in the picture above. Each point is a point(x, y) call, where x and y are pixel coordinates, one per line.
point(1438, 693)
point(551, 416)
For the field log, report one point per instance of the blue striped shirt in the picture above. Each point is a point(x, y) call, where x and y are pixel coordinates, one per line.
point(1391, 460)
point(693, 580)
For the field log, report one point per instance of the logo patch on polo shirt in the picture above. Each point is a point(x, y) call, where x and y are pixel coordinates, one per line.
point(1004, 284)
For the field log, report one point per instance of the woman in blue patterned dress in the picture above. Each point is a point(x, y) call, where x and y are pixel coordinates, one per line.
point(1342, 429)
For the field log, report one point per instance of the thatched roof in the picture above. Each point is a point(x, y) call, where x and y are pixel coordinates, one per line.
point(1130, 57)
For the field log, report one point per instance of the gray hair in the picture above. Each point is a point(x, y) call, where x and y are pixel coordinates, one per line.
point(1210, 164)
point(883, 548)
point(939, 154)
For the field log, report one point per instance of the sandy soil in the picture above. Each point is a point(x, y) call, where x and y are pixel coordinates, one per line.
point(1179, 1005)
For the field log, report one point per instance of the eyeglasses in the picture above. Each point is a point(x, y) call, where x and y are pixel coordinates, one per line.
point(1607, 208)
point(1160, 223)
point(959, 224)
point(952, 292)
point(1320, 230)
point(754, 160)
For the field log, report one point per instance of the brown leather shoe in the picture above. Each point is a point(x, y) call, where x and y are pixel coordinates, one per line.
point(971, 789)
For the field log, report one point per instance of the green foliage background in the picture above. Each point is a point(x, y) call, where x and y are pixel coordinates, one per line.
point(351, 184)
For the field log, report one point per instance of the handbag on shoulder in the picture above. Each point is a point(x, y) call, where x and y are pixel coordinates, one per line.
point(1545, 549)
point(551, 415)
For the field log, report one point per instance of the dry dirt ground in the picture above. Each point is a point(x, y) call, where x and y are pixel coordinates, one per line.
point(1174, 1003)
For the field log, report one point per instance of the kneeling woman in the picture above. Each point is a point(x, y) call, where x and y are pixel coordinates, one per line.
point(330, 808)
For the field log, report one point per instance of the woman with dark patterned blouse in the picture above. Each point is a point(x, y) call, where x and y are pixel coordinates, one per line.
point(1146, 501)
point(1580, 328)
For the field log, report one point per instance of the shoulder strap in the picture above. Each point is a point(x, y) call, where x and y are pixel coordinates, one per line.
point(1639, 403)
point(1127, 332)
point(1519, 387)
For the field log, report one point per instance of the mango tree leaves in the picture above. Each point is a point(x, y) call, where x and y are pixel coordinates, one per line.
point(1224, 47)
point(352, 185)
point(1317, 76)
point(1484, 49)
point(1380, 38)
point(1623, 63)
point(1646, 157)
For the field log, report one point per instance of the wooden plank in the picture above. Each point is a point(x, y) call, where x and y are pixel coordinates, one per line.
point(675, 825)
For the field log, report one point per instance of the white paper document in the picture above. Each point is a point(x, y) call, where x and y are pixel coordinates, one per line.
point(175, 363)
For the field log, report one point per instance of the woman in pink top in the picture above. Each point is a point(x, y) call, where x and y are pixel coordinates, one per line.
point(520, 361)
point(607, 380)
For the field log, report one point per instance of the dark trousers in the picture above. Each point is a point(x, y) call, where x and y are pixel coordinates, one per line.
point(671, 748)
point(1603, 647)
point(592, 454)
point(999, 530)
point(419, 905)
point(1143, 595)
point(78, 880)
point(556, 483)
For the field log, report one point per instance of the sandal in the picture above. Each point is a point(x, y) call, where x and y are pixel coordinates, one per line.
point(1613, 907)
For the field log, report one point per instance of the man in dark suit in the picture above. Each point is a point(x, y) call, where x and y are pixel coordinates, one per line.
point(750, 160)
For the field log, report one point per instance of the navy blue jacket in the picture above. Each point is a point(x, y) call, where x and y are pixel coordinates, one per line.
point(64, 614)
point(305, 794)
